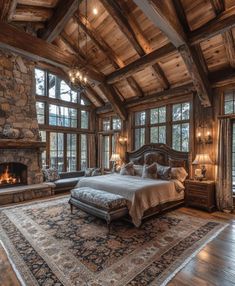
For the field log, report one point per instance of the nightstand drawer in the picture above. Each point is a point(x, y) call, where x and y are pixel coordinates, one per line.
point(197, 187)
point(198, 192)
point(194, 200)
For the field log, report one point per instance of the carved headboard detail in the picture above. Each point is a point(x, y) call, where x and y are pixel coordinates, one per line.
point(161, 153)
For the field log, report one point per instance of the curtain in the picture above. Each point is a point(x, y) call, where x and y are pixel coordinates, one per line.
point(224, 193)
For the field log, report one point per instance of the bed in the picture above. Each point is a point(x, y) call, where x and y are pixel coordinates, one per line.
point(145, 196)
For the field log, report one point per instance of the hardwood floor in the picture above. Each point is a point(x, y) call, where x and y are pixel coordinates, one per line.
point(213, 265)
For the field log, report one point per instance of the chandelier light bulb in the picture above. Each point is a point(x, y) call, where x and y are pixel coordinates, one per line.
point(95, 11)
point(77, 74)
point(85, 79)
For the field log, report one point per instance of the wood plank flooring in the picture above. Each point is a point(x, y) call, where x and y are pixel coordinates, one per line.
point(213, 265)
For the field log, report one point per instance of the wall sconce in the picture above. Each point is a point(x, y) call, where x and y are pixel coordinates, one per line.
point(204, 139)
point(122, 140)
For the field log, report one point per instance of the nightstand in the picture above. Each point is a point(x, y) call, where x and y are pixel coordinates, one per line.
point(200, 194)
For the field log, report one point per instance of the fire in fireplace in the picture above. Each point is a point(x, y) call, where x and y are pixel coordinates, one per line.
point(12, 174)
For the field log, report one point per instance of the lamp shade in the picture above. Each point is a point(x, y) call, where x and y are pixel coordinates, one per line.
point(202, 159)
point(115, 157)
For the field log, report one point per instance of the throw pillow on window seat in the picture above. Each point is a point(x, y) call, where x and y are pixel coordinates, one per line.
point(50, 174)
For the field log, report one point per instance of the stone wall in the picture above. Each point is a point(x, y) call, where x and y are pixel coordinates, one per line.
point(17, 98)
point(18, 118)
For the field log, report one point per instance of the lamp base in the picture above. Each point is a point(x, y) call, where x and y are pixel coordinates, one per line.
point(203, 172)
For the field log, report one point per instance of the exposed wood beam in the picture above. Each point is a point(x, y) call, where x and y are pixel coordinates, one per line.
point(201, 58)
point(163, 15)
point(180, 90)
point(116, 13)
point(222, 78)
point(218, 6)
point(229, 47)
point(98, 40)
point(141, 63)
point(222, 23)
point(135, 87)
point(104, 109)
point(7, 9)
point(181, 15)
point(161, 76)
point(105, 48)
point(93, 93)
point(63, 13)
point(198, 76)
point(114, 99)
point(143, 42)
point(15, 40)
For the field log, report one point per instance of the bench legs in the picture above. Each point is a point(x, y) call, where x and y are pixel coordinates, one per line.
point(71, 208)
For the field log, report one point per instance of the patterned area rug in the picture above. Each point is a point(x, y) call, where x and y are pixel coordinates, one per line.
point(49, 246)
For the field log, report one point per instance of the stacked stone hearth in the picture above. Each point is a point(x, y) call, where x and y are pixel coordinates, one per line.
point(18, 119)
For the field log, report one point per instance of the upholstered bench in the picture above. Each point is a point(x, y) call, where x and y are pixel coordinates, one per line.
point(99, 203)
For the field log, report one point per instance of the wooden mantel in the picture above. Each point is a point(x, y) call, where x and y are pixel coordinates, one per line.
point(21, 144)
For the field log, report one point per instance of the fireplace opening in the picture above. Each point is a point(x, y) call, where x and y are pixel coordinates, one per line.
point(12, 174)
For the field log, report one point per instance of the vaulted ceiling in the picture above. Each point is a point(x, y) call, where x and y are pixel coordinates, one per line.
point(136, 49)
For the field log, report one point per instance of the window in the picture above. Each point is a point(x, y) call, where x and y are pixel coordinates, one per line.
point(180, 127)
point(40, 106)
point(158, 125)
point(71, 152)
point(140, 120)
point(84, 153)
point(229, 102)
point(84, 119)
point(64, 117)
point(116, 123)
point(106, 124)
point(57, 151)
point(106, 152)
point(40, 81)
point(166, 124)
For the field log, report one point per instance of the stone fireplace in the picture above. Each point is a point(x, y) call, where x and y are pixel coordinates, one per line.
point(20, 144)
point(12, 174)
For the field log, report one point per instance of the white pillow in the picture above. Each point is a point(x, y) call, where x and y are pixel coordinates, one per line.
point(138, 169)
point(179, 173)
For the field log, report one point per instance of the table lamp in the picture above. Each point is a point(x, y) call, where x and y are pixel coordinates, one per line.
point(115, 157)
point(202, 159)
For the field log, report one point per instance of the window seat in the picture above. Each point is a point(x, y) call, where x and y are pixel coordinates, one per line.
point(67, 181)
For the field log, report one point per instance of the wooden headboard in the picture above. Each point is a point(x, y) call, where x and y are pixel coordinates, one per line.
point(161, 153)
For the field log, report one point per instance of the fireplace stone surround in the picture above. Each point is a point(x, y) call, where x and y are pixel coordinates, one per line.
point(19, 132)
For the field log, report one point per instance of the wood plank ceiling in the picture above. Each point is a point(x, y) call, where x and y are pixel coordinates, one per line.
point(137, 50)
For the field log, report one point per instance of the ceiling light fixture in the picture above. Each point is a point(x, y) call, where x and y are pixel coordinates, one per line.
point(95, 11)
point(78, 73)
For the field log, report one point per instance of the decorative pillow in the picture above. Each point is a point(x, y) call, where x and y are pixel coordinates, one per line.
point(163, 172)
point(176, 163)
point(96, 172)
point(50, 174)
point(179, 174)
point(138, 170)
point(127, 169)
point(150, 171)
point(153, 157)
point(88, 172)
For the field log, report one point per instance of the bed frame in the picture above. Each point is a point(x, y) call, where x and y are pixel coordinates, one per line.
point(162, 154)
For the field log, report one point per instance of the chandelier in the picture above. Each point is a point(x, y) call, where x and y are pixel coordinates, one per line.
point(78, 74)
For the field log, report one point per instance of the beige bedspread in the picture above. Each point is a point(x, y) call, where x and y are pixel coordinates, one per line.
point(141, 193)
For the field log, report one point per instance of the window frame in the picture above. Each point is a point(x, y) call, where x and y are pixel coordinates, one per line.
point(169, 121)
point(62, 129)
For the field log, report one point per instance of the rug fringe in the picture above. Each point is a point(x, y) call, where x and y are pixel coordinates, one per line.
point(168, 279)
point(19, 277)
